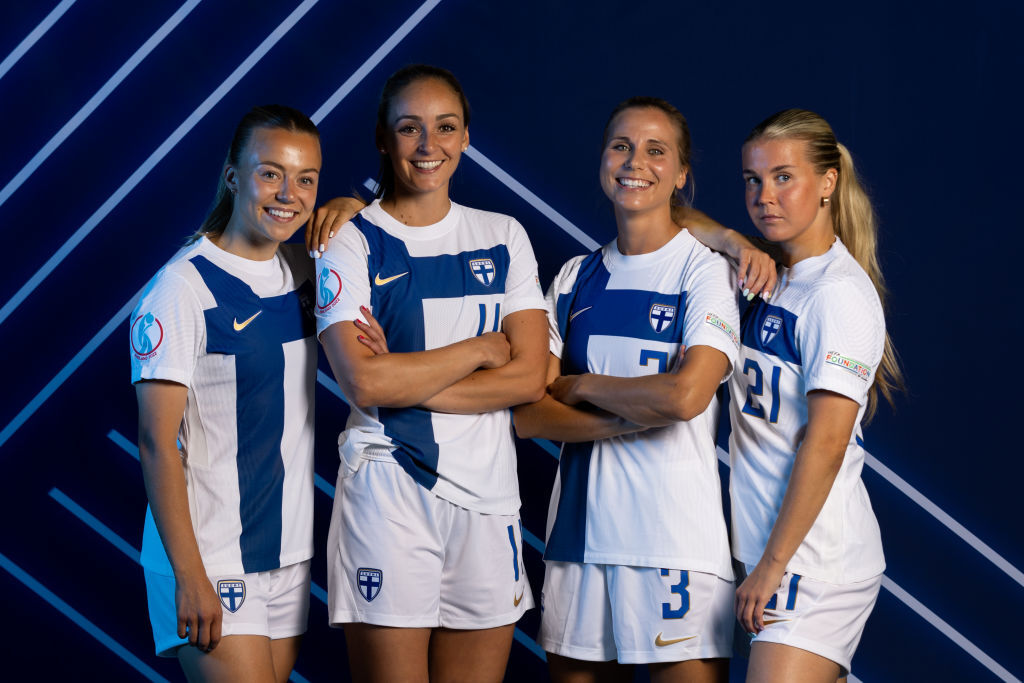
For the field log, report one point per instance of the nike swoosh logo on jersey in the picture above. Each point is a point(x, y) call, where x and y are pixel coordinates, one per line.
point(239, 326)
point(661, 642)
point(515, 600)
point(578, 312)
point(383, 281)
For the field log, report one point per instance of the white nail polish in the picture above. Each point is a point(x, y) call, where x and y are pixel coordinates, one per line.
point(330, 234)
point(323, 248)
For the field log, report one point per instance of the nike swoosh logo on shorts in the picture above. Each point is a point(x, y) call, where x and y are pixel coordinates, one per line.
point(239, 326)
point(661, 642)
point(383, 281)
point(578, 312)
point(769, 622)
point(515, 600)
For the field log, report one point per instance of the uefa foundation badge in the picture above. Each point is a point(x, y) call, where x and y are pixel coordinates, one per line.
point(147, 335)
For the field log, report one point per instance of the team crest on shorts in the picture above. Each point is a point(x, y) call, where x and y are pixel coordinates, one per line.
point(147, 334)
point(232, 594)
point(661, 316)
point(769, 328)
point(369, 582)
point(328, 289)
point(483, 270)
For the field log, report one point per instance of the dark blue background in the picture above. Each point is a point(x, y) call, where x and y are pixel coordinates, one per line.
point(924, 96)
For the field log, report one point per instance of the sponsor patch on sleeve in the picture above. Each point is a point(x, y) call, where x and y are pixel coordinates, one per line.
point(147, 335)
point(713, 320)
point(862, 370)
point(328, 289)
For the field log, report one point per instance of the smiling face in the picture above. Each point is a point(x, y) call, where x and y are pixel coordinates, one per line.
point(784, 193)
point(641, 168)
point(424, 137)
point(274, 186)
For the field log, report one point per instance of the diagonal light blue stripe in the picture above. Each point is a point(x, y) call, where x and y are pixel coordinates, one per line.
point(534, 542)
point(297, 677)
point(96, 100)
point(36, 33)
point(324, 485)
point(95, 524)
point(79, 620)
point(122, 441)
point(330, 384)
point(119, 318)
point(530, 644)
point(318, 592)
point(549, 447)
point(154, 158)
point(373, 60)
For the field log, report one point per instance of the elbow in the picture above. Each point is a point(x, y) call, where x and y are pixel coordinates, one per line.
point(524, 427)
point(688, 405)
point(362, 392)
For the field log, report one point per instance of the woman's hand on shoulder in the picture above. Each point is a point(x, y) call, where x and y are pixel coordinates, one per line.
point(327, 220)
point(757, 271)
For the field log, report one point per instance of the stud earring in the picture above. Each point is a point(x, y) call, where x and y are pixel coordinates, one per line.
point(825, 201)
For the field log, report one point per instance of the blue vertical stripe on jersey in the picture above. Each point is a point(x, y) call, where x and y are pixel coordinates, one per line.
point(398, 307)
point(761, 337)
point(259, 403)
point(568, 539)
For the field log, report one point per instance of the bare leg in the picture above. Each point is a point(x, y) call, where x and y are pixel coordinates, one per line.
point(568, 670)
point(770, 662)
point(473, 656)
point(236, 658)
point(384, 654)
point(691, 671)
point(284, 652)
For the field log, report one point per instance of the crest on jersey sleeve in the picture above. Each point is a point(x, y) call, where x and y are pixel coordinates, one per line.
point(232, 594)
point(147, 334)
point(483, 270)
point(661, 316)
point(769, 328)
point(369, 582)
point(328, 289)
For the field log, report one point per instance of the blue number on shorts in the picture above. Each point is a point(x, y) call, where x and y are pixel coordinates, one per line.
point(684, 597)
point(756, 388)
point(662, 357)
point(794, 584)
point(483, 318)
point(515, 550)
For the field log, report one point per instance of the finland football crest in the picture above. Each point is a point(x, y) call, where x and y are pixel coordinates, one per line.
point(769, 328)
point(369, 581)
point(483, 270)
point(232, 594)
point(662, 316)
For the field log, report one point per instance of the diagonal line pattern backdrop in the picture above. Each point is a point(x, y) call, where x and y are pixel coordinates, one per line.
point(541, 79)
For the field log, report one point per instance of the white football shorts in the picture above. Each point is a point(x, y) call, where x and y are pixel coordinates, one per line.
point(397, 555)
point(824, 618)
point(273, 603)
point(636, 615)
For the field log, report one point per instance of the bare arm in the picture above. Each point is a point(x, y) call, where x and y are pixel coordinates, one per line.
point(521, 380)
point(830, 421)
point(549, 418)
point(161, 407)
point(651, 400)
point(398, 380)
point(754, 257)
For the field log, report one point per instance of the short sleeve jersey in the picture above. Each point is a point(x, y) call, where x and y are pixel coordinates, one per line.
point(823, 330)
point(431, 286)
point(239, 334)
point(652, 498)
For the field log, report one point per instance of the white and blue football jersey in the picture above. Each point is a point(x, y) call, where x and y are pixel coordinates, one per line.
point(654, 498)
point(429, 287)
point(823, 330)
point(239, 334)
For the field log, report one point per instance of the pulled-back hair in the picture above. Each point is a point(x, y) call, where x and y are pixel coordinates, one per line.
point(267, 116)
point(853, 218)
point(397, 82)
point(683, 146)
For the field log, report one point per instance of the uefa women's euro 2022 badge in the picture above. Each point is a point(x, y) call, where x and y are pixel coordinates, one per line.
point(328, 289)
point(147, 335)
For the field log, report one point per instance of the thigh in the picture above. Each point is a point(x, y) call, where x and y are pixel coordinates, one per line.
point(284, 652)
point(773, 662)
point(568, 670)
point(473, 656)
point(384, 654)
point(670, 615)
point(385, 552)
point(236, 658)
point(483, 582)
point(691, 671)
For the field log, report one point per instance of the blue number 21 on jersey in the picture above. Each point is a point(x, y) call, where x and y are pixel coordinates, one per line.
point(755, 389)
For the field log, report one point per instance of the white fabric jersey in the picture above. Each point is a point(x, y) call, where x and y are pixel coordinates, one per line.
point(240, 335)
point(653, 498)
point(823, 329)
point(429, 287)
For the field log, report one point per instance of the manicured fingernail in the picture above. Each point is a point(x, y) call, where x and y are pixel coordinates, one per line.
point(740, 282)
point(766, 295)
point(361, 338)
point(330, 234)
point(312, 254)
point(323, 248)
point(750, 296)
point(746, 291)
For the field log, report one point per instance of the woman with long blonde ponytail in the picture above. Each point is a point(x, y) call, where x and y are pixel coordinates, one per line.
point(814, 356)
